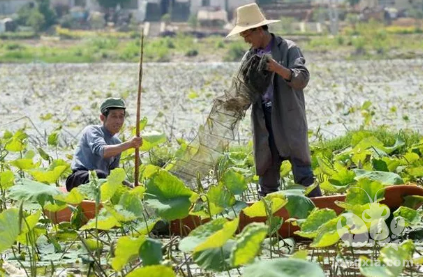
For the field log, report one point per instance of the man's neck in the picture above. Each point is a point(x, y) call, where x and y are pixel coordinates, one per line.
point(267, 39)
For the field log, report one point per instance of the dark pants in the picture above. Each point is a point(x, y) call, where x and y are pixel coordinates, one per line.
point(80, 176)
point(270, 180)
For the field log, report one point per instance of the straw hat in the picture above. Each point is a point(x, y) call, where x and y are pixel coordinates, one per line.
point(248, 17)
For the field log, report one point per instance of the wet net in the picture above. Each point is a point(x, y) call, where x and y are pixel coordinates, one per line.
point(221, 126)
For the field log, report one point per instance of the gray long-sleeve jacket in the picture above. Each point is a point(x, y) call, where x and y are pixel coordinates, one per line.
point(289, 122)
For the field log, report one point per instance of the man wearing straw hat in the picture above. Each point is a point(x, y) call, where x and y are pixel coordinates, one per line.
point(279, 120)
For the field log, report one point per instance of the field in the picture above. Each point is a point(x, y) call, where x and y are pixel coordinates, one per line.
point(363, 115)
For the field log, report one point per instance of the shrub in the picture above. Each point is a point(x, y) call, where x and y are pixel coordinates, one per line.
point(36, 20)
point(191, 53)
point(235, 53)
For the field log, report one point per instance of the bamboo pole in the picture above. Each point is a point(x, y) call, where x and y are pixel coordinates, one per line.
point(137, 150)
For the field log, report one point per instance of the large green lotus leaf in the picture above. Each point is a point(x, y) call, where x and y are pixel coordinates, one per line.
point(220, 196)
point(151, 252)
point(15, 142)
point(25, 164)
point(43, 154)
point(274, 223)
point(238, 158)
point(214, 259)
point(300, 254)
point(391, 260)
point(139, 191)
point(105, 222)
point(49, 176)
point(131, 201)
point(273, 201)
point(201, 234)
point(413, 201)
point(120, 213)
point(410, 216)
point(153, 140)
point(219, 238)
point(392, 163)
point(298, 206)
point(387, 178)
point(60, 162)
point(398, 143)
point(409, 158)
point(286, 168)
point(15, 145)
point(282, 267)
point(361, 159)
point(152, 271)
point(127, 249)
point(369, 142)
point(379, 165)
point(74, 197)
point(365, 191)
point(6, 179)
point(248, 244)
point(168, 195)
point(329, 187)
point(146, 171)
point(369, 269)
point(313, 222)
point(144, 228)
point(342, 177)
point(53, 138)
point(114, 180)
point(370, 213)
point(142, 124)
point(27, 225)
point(325, 166)
point(55, 207)
point(234, 181)
point(9, 228)
point(328, 234)
point(33, 191)
point(416, 172)
point(205, 210)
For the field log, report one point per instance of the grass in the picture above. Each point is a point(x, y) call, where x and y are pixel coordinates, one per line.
point(385, 135)
point(370, 40)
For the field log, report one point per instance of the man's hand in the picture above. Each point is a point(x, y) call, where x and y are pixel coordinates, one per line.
point(279, 69)
point(113, 150)
point(136, 142)
point(273, 66)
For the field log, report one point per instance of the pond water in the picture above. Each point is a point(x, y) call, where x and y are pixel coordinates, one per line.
point(177, 97)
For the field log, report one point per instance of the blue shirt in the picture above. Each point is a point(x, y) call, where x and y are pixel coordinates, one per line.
point(90, 150)
point(268, 95)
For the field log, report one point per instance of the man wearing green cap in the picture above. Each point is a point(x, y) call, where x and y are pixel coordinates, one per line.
point(99, 149)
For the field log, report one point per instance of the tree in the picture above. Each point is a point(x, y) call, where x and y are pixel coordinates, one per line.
point(47, 12)
point(39, 17)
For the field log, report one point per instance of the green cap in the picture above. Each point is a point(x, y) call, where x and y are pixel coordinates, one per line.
point(112, 103)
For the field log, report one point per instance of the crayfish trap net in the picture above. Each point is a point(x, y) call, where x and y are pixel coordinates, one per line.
point(221, 126)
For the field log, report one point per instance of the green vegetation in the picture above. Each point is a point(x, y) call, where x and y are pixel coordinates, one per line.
point(365, 40)
point(120, 236)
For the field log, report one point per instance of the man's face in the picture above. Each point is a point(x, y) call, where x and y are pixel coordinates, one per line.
point(253, 37)
point(114, 121)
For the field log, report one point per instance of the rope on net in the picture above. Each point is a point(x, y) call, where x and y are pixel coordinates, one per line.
point(221, 126)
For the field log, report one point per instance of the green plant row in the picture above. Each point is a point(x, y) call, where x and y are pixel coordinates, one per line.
point(121, 238)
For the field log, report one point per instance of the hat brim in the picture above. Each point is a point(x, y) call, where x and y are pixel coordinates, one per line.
point(239, 29)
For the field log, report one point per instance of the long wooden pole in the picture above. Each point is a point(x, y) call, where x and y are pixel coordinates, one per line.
point(137, 150)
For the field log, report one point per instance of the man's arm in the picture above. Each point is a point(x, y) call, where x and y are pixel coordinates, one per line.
point(297, 75)
point(113, 150)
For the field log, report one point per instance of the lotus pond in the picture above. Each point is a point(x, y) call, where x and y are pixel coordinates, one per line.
point(363, 121)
